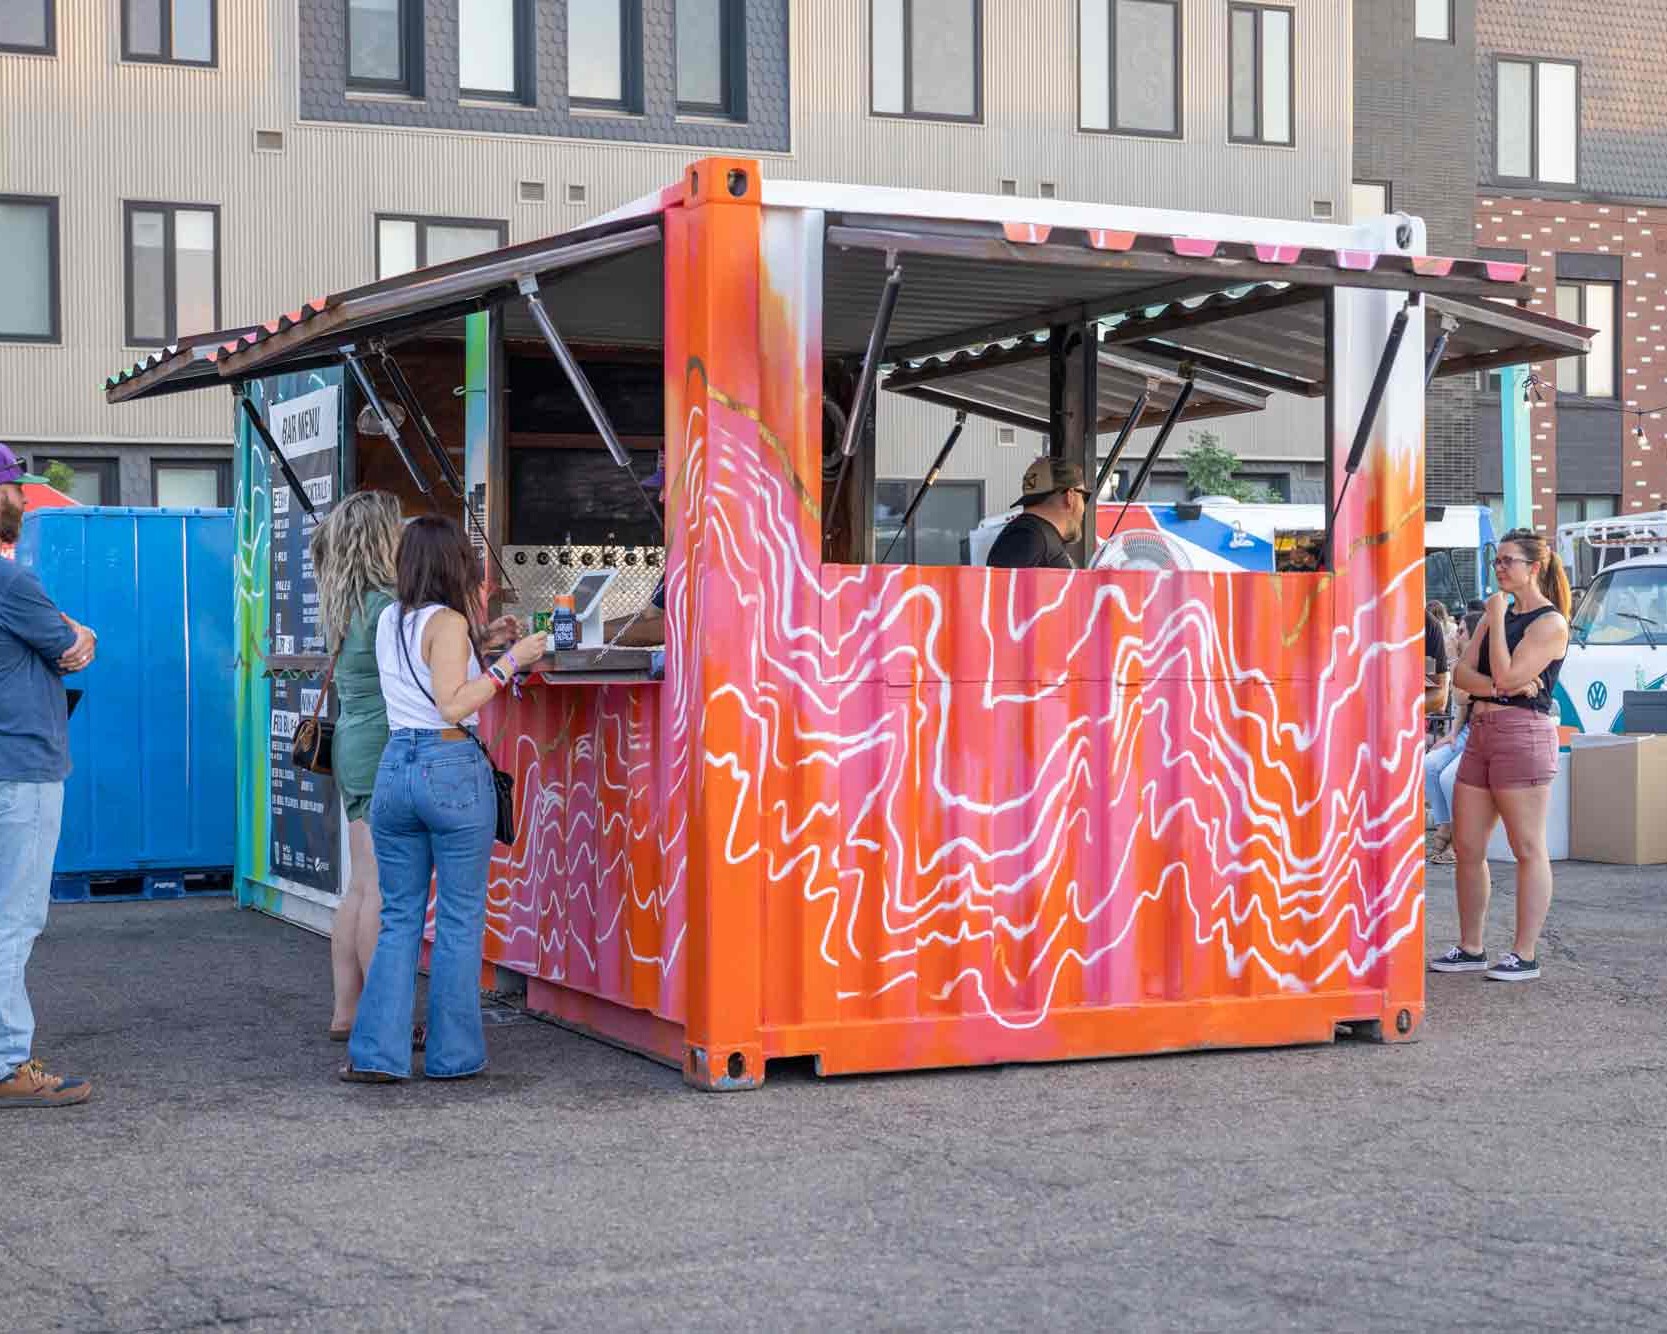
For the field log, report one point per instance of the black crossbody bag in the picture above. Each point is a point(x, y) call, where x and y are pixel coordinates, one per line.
point(503, 785)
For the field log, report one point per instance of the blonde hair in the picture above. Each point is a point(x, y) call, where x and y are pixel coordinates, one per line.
point(1554, 579)
point(353, 553)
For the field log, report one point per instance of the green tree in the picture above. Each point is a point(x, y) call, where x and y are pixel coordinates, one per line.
point(60, 476)
point(1211, 471)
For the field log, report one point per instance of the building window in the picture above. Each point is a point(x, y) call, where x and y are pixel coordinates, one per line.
point(1538, 110)
point(926, 58)
point(29, 26)
point(174, 32)
point(941, 533)
point(406, 243)
point(173, 271)
point(1370, 199)
point(1591, 304)
point(384, 46)
point(1130, 66)
point(494, 49)
point(29, 301)
point(1578, 509)
point(1433, 20)
point(604, 54)
point(1262, 95)
point(712, 57)
point(92, 481)
point(191, 484)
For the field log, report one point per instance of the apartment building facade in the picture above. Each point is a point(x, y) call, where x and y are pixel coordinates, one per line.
point(174, 165)
point(1572, 158)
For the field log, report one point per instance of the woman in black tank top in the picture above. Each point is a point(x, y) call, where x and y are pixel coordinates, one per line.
point(1510, 670)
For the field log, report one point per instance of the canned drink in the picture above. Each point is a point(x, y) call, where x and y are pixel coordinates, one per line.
point(541, 622)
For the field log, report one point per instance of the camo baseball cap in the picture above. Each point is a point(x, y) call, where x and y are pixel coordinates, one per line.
point(12, 469)
point(1047, 477)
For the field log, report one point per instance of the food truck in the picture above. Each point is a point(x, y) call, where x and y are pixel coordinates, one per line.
point(883, 816)
point(1618, 634)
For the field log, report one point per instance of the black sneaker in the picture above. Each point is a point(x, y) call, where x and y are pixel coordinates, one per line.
point(1513, 967)
point(1457, 961)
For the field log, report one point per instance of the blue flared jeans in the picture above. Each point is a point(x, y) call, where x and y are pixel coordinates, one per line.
point(432, 816)
point(30, 814)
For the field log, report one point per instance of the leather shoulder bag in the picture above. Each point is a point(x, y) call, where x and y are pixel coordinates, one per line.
point(315, 736)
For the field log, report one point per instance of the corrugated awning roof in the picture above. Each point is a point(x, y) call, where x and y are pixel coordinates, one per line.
point(1011, 384)
point(1276, 336)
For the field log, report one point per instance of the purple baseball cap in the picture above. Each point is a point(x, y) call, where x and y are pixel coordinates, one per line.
point(12, 469)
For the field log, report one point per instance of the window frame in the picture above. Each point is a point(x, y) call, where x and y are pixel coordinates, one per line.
point(630, 65)
point(108, 468)
point(1584, 286)
point(50, 48)
point(1258, 141)
point(165, 18)
point(977, 116)
point(734, 76)
point(423, 222)
point(977, 485)
point(222, 474)
point(1534, 63)
point(55, 258)
point(1179, 90)
point(525, 62)
point(411, 53)
point(1452, 26)
point(170, 276)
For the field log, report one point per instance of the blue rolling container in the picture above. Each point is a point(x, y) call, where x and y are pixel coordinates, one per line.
point(149, 810)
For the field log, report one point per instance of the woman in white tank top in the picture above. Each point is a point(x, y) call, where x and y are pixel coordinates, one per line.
point(433, 812)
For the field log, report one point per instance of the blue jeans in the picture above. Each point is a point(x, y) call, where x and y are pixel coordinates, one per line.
point(1441, 771)
point(30, 814)
point(432, 815)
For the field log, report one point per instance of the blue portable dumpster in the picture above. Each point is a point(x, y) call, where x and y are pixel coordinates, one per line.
point(150, 806)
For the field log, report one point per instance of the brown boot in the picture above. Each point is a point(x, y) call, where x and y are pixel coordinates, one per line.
point(31, 1086)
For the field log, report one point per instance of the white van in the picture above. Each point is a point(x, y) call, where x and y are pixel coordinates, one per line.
point(1617, 643)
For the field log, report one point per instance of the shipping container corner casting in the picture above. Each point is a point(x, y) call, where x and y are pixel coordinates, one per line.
point(887, 816)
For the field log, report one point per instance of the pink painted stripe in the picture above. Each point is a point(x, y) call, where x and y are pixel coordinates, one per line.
point(1358, 261)
point(1193, 247)
point(1026, 233)
point(1431, 266)
point(1102, 239)
point(1278, 254)
point(1500, 271)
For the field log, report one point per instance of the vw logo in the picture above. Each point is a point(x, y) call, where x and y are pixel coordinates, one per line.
point(1598, 695)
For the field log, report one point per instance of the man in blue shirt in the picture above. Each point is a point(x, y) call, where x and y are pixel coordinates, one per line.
point(38, 646)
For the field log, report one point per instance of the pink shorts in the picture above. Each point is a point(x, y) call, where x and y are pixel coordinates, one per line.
point(1509, 747)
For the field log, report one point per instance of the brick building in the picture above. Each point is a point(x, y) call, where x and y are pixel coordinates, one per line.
point(1571, 152)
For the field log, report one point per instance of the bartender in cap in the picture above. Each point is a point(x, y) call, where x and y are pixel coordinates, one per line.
point(1055, 500)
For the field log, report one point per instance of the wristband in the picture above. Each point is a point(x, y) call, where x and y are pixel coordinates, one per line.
point(500, 677)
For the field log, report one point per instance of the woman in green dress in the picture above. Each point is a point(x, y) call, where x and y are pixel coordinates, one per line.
point(353, 559)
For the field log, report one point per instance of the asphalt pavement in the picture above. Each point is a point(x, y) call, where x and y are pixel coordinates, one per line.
point(1504, 1172)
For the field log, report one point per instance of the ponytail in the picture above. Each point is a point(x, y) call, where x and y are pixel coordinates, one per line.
point(1554, 578)
point(1554, 583)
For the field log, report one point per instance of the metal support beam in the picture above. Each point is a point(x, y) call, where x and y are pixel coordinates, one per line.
point(1449, 327)
point(528, 287)
point(1152, 455)
point(1073, 408)
point(241, 393)
point(350, 357)
point(862, 403)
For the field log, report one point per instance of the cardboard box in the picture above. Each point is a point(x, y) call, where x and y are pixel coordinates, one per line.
point(1619, 796)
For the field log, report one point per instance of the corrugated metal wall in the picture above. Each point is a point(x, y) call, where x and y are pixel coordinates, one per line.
point(93, 131)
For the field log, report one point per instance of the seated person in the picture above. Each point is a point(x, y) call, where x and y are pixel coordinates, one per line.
point(1438, 667)
point(647, 629)
point(1055, 500)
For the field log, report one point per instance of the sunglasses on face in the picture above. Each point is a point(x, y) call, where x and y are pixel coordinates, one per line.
point(1500, 562)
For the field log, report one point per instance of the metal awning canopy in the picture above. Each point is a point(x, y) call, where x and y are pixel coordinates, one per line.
point(1276, 336)
point(1011, 384)
point(605, 284)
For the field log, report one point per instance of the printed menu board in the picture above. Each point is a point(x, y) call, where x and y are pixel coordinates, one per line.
point(305, 818)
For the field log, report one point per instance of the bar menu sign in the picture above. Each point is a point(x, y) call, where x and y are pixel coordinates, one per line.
point(305, 823)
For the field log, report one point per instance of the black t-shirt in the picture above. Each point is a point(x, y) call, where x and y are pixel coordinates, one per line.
point(1435, 648)
point(1030, 542)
